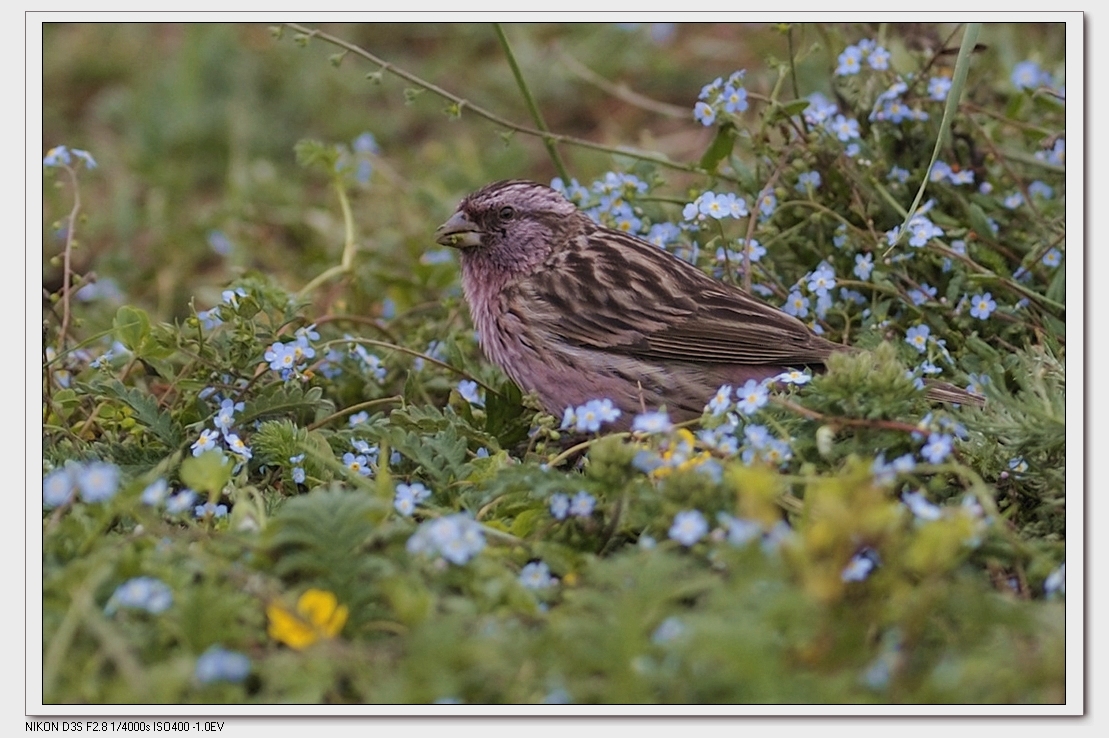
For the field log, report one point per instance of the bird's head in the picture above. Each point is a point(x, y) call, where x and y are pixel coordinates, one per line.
point(513, 225)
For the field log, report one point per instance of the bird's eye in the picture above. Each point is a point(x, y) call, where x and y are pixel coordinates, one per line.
point(507, 212)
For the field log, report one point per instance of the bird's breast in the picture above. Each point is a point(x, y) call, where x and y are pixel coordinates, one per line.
point(498, 330)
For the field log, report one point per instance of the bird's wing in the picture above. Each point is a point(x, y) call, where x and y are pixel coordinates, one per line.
point(613, 292)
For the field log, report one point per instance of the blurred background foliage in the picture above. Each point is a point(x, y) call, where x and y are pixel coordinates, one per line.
point(194, 126)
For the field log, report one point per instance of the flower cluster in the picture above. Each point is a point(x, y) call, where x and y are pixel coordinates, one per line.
point(711, 205)
point(468, 390)
point(456, 538)
point(141, 593)
point(851, 59)
point(937, 448)
point(289, 359)
point(679, 452)
point(537, 575)
point(885, 473)
point(690, 526)
point(356, 354)
point(817, 283)
point(607, 200)
point(730, 260)
point(362, 459)
point(890, 107)
point(755, 443)
point(181, 502)
point(588, 418)
point(210, 509)
point(579, 506)
point(720, 97)
point(1057, 155)
point(95, 481)
point(861, 565)
point(944, 172)
point(218, 664)
point(925, 511)
point(823, 114)
point(223, 421)
point(652, 422)
point(408, 496)
point(231, 299)
point(1028, 75)
point(921, 230)
point(297, 470)
point(62, 156)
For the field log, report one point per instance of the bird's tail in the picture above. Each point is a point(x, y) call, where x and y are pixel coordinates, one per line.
point(944, 392)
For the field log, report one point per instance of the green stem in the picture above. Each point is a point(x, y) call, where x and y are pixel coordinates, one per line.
point(355, 408)
point(533, 108)
point(410, 352)
point(349, 247)
point(581, 447)
point(792, 63)
point(768, 187)
point(324, 276)
point(958, 83)
point(461, 103)
point(985, 274)
point(67, 268)
point(346, 261)
point(54, 659)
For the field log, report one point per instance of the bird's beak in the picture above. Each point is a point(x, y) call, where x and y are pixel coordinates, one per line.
point(459, 232)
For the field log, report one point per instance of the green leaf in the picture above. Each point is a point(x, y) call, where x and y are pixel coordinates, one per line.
point(962, 66)
point(321, 537)
point(132, 327)
point(146, 409)
point(285, 400)
point(316, 155)
point(208, 472)
point(1057, 290)
point(65, 401)
point(720, 147)
point(980, 347)
point(505, 416)
point(785, 111)
point(978, 220)
point(443, 455)
point(527, 522)
point(409, 599)
point(1054, 325)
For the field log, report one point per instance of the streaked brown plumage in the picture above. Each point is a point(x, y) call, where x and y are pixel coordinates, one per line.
point(575, 311)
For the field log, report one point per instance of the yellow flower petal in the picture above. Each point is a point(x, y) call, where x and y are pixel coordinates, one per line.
point(318, 615)
point(289, 629)
point(322, 609)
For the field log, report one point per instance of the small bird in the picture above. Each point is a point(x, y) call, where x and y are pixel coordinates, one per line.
point(574, 311)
